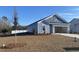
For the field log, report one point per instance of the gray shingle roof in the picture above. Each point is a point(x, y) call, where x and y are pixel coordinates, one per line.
point(56, 15)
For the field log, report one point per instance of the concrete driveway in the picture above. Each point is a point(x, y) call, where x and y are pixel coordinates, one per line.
point(68, 35)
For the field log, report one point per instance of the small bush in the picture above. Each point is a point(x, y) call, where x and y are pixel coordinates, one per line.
point(4, 31)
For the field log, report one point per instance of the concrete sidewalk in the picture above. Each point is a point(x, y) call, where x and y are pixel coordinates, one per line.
point(68, 35)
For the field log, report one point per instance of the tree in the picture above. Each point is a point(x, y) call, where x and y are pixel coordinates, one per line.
point(15, 19)
point(5, 25)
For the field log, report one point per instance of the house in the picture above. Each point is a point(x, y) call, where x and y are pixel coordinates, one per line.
point(74, 25)
point(48, 25)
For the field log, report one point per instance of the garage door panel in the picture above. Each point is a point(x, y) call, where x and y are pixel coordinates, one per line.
point(60, 29)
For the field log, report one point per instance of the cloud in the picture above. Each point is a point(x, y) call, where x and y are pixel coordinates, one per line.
point(70, 13)
point(69, 16)
point(67, 13)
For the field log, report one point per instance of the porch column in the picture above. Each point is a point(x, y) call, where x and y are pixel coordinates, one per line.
point(53, 29)
point(68, 29)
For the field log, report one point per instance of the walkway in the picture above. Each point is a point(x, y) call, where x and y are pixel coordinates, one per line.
point(69, 35)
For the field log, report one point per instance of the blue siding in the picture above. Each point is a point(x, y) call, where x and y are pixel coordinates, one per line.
point(32, 27)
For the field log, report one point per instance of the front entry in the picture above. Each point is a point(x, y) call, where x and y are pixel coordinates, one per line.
point(51, 28)
point(60, 29)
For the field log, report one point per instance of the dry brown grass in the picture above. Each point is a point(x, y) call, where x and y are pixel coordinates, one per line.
point(40, 43)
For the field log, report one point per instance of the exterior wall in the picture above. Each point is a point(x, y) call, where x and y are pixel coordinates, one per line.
point(48, 28)
point(32, 27)
point(74, 26)
point(40, 28)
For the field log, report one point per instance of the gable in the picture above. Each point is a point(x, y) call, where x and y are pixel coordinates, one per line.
point(75, 20)
point(54, 19)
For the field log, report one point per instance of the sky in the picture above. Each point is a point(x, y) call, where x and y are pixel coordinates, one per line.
point(29, 14)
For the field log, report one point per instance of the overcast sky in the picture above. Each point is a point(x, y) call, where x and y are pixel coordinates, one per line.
point(30, 14)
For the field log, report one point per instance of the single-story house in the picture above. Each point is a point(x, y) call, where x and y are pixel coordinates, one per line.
point(48, 25)
point(74, 25)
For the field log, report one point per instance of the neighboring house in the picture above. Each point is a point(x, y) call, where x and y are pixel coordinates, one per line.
point(74, 25)
point(48, 25)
